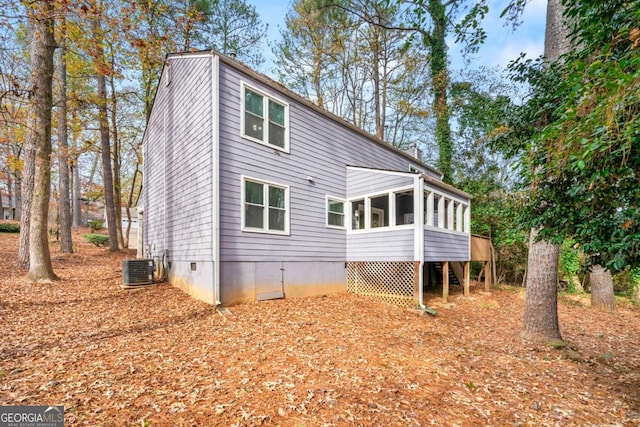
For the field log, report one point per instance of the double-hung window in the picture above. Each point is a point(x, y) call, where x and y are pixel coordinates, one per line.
point(265, 120)
point(265, 207)
point(335, 213)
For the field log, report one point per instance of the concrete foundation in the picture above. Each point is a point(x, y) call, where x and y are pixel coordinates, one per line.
point(246, 281)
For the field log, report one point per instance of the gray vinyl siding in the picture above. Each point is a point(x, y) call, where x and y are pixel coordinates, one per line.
point(445, 246)
point(319, 148)
point(361, 181)
point(392, 245)
point(178, 178)
point(154, 177)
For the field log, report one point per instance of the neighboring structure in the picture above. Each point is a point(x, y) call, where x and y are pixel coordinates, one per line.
point(133, 212)
point(252, 192)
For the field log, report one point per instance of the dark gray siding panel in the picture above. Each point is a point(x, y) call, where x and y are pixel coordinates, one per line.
point(178, 165)
point(396, 245)
point(443, 246)
point(361, 182)
point(319, 147)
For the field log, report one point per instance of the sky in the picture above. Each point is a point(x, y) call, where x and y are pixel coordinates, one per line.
point(502, 45)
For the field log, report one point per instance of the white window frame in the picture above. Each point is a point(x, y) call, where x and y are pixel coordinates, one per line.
point(368, 210)
point(265, 213)
point(453, 211)
point(344, 212)
point(265, 125)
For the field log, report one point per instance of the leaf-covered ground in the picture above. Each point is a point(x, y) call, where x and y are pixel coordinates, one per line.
point(156, 357)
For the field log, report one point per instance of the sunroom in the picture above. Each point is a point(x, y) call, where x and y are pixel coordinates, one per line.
point(400, 227)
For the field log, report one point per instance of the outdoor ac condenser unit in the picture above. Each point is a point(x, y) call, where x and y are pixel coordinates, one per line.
point(137, 271)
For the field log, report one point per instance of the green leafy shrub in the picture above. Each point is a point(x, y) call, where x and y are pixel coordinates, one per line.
point(626, 282)
point(622, 282)
point(635, 284)
point(97, 239)
point(569, 262)
point(96, 224)
point(7, 227)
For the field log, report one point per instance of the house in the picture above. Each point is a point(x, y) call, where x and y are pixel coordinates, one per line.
point(252, 192)
point(133, 213)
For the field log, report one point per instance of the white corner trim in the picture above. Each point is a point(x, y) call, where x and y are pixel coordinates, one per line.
point(215, 173)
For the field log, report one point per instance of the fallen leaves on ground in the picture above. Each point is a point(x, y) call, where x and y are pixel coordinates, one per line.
point(156, 357)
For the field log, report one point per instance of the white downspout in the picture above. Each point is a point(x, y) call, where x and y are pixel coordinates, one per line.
point(418, 226)
point(215, 142)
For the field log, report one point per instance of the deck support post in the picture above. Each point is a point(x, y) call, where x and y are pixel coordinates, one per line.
point(487, 276)
point(466, 279)
point(445, 281)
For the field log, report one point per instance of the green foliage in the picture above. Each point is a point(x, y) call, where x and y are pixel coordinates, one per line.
point(579, 136)
point(569, 259)
point(96, 224)
point(626, 282)
point(97, 239)
point(231, 26)
point(8, 227)
point(482, 170)
point(493, 211)
point(635, 284)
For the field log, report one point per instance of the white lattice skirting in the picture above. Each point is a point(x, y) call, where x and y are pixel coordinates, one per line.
point(390, 281)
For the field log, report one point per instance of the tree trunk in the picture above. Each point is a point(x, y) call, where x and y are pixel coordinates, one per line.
point(107, 174)
point(66, 245)
point(10, 200)
point(602, 296)
point(40, 30)
point(75, 170)
point(24, 195)
point(556, 34)
point(440, 78)
point(541, 304)
point(375, 75)
point(117, 198)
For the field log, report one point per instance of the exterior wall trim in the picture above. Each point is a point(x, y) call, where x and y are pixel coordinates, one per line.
point(215, 174)
point(382, 171)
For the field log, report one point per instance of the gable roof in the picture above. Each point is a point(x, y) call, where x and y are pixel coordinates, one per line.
point(275, 85)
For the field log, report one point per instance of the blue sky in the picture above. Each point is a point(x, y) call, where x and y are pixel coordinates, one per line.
point(502, 43)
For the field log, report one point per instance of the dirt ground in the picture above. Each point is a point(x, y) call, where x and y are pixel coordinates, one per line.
point(156, 357)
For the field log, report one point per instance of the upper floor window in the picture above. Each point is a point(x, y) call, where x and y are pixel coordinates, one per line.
point(265, 120)
point(265, 207)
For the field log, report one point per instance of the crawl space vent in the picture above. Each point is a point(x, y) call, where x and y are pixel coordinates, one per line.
point(137, 271)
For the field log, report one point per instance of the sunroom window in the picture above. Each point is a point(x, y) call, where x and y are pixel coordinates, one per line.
point(357, 214)
point(404, 207)
point(265, 119)
point(380, 211)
